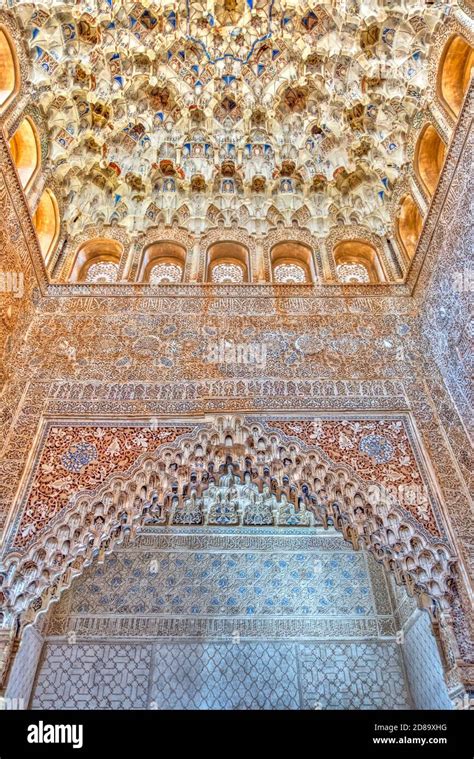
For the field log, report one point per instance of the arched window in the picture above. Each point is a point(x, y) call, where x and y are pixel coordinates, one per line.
point(97, 261)
point(26, 152)
point(454, 73)
point(162, 273)
point(47, 224)
point(357, 262)
point(352, 273)
point(162, 262)
point(429, 158)
point(9, 70)
point(289, 273)
point(409, 225)
point(228, 272)
point(102, 271)
point(292, 263)
point(227, 262)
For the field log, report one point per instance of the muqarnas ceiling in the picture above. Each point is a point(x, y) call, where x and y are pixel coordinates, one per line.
point(236, 104)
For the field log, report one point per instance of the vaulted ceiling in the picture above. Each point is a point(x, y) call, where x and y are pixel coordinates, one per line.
point(245, 104)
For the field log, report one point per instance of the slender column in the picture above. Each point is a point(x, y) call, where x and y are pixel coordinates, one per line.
point(258, 263)
point(442, 125)
point(23, 669)
point(464, 19)
point(418, 196)
point(7, 654)
point(129, 263)
point(194, 266)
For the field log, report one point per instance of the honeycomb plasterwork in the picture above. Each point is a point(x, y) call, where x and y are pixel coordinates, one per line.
point(148, 491)
point(82, 457)
point(377, 449)
point(234, 110)
point(305, 237)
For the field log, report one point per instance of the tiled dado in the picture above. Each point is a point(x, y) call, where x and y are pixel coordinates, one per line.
point(225, 619)
point(234, 618)
point(226, 675)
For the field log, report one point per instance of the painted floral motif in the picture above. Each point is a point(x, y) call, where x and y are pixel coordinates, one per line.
point(89, 454)
point(78, 456)
point(117, 449)
point(378, 450)
point(377, 447)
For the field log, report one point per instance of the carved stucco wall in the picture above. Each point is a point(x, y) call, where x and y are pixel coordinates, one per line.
point(226, 618)
point(446, 314)
point(90, 356)
point(121, 638)
point(77, 457)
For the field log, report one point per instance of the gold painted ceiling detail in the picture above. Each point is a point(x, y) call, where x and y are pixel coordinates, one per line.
point(229, 106)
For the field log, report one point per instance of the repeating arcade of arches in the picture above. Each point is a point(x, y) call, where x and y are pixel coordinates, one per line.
point(355, 261)
point(91, 526)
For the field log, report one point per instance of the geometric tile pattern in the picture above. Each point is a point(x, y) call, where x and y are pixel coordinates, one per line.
point(93, 677)
point(222, 675)
point(231, 583)
point(188, 582)
point(362, 675)
point(423, 666)
point(225, 676)
point(181, 619)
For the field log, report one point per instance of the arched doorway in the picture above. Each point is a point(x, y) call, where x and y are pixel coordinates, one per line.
point(216, 617)
point(253, 483)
